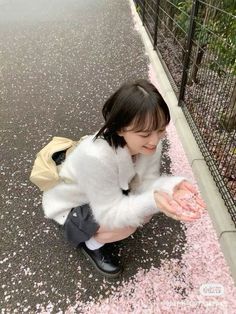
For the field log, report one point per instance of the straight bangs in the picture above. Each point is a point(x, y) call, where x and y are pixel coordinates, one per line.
point(150, 117)
point(137, 106)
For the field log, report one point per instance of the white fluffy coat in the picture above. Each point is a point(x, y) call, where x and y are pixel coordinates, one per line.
point(100, 173)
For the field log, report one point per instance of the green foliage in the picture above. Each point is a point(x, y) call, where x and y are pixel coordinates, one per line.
point(138, 8)
point(183, 14)
point(214, 29)
point(224, 44)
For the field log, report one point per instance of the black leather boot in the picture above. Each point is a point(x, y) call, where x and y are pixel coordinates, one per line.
point(102, 261)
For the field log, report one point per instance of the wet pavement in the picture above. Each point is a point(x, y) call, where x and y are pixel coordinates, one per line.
point(59, 61)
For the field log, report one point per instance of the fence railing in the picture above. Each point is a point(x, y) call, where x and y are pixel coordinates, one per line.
point(197, 44)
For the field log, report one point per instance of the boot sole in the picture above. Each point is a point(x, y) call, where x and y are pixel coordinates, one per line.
point(97, 268)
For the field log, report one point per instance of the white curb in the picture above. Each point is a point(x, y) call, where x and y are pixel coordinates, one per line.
point(218, 212)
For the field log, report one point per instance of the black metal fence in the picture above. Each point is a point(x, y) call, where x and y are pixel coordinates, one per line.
point(196, 41)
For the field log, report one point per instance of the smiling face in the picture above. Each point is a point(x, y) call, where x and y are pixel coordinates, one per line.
point(135, 116)
point(144, 133)
point(142, 142)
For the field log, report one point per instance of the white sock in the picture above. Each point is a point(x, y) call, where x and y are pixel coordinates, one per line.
point(92, 244)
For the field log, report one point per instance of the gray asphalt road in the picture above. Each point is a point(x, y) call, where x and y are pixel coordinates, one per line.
point(59, 61)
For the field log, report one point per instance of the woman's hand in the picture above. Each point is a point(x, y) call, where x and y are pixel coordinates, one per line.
point(184, 205)
point(186, 195)
point(172, 209)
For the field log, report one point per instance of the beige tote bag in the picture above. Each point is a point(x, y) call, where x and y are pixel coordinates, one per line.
point(45, 171)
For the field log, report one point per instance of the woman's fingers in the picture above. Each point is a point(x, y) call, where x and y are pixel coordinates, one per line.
point(178, 213)
point(185, 200)
point(193, 215)
point(200, 202)
point(188, 201)
point(187, 215)
point(188, 187)
point(183, 203)
point(183, 206)
point(165, 202)
point(184, 217)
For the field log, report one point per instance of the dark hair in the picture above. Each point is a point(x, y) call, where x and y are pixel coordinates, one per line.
point(137, 102)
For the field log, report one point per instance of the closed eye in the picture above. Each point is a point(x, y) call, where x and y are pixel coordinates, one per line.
point(145, 135)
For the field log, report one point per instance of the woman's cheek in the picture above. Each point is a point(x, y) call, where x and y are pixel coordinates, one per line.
point(162, 135)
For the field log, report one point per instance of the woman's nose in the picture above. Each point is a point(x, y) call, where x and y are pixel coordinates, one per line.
point(154, 139)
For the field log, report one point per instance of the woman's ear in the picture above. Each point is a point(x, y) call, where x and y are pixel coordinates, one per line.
point(120, 133)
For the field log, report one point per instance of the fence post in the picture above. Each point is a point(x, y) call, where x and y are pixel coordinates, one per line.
point(187, 53)
point(143, 17)
point(156, 23)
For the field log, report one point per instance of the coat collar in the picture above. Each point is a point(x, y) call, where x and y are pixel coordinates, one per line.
point(125, 167)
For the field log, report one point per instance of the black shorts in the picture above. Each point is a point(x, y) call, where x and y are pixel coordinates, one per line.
point(80, 225)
